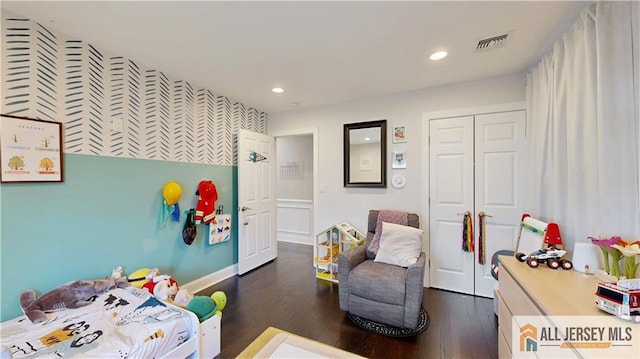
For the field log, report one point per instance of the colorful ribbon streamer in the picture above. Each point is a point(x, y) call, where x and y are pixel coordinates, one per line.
point(467, 232)
point(482, 239)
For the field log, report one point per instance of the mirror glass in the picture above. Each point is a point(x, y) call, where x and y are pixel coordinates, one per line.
point(365, 148)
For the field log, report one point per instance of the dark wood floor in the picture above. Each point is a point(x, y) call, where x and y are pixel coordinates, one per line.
point(285, 294)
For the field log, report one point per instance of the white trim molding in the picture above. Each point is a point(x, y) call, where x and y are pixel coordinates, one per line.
point(211, 279)
point(295, 220)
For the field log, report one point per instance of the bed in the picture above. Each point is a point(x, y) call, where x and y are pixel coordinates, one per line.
point(124, 323)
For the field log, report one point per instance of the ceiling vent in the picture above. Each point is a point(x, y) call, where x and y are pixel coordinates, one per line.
point(493, 42)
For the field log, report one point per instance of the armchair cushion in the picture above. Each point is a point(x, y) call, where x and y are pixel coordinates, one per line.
point(372, 223)
point(399, 245)
point(389, 216)
point(379, 282)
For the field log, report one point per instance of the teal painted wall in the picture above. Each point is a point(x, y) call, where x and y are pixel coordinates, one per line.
point(105, 215)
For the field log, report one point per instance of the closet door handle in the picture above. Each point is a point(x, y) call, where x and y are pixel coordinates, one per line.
point(482, 238)
point(467, 232)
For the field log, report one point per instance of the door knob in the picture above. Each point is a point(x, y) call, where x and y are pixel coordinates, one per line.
point(245, 208)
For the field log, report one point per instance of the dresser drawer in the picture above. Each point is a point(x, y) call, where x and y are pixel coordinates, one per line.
point(514, 297)
point(504, 350)
point(504, 320)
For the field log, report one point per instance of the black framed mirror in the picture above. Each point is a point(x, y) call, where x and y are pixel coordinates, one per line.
point(365, 154)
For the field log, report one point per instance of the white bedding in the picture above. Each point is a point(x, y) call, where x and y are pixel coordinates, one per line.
point(122, 323)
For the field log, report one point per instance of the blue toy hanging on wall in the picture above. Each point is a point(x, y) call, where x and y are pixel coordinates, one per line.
point(171, 193)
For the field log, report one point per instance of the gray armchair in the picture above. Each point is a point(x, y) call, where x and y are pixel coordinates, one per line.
point(380, 292)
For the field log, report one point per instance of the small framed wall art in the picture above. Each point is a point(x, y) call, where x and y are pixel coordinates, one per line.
point(220, 229)
point(399, 134)
point(399, 159)
point(30, 150)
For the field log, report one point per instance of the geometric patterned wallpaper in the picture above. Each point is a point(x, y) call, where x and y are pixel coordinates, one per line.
point(50, 76)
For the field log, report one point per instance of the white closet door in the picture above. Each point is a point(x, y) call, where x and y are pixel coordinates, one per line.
point(499, 152)
point(451, 194)
point(475, 165)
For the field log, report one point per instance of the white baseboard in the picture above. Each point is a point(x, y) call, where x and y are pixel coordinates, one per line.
point(208, 280)
point(297, 240)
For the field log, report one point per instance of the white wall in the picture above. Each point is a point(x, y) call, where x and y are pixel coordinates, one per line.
point(337, 204)
point(297, 151)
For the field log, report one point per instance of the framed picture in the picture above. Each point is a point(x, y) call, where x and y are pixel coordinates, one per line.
point(366, 164)
point(220, 229)
point(399, 134)
point(399, 159)
point(30, 150)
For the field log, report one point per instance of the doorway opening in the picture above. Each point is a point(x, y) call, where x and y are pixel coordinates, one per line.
point(296, 186)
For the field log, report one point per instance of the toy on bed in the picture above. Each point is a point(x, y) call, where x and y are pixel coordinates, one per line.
point(202, 306)
point(142, 276)
point(165, 288)
point(161, 286)
point(71, 295)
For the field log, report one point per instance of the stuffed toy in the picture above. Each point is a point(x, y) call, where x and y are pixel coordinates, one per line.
point(142, 276)
point(162, 287)
point(71, 295)
point(117, 272)
point(202, 306)
point(182, 298)
point(221, 301)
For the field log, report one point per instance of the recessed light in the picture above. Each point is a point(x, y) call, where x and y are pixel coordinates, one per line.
point(277, 90)
point(367, 139)
point(439, 55)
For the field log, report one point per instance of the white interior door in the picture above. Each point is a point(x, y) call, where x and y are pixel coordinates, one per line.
point(475, 165)
point(451, 194)
point(257, 241)
point(499, 154)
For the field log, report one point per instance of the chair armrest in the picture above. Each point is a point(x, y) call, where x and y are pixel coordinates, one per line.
point(419, 264)
point(414, 286)
point(352, 257)
point(348, 260)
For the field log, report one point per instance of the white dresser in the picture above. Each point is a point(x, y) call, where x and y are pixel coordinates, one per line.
point(542, 291)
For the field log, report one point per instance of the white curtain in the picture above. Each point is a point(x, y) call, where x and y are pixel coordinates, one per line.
point(582, 129)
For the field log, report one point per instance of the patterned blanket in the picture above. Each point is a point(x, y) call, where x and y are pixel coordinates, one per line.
point(121, 323)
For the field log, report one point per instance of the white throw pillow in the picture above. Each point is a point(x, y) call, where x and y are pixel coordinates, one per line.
point(399, 245)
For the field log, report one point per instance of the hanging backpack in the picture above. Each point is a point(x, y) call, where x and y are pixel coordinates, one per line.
point(189, 231)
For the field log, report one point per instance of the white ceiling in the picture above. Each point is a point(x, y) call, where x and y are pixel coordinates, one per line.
point(319, 52)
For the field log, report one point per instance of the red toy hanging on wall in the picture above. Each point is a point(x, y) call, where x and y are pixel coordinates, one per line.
point(207, 197)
